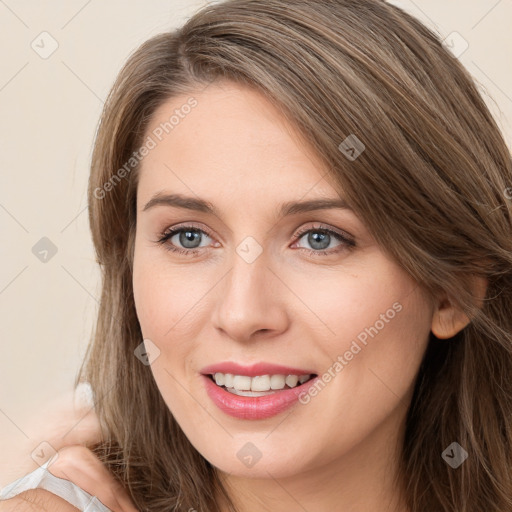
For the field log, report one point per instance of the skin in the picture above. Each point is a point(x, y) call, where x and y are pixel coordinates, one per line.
point(288, 306)
point(36, 500)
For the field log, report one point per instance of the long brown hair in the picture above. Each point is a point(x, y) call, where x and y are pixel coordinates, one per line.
point(431, 185)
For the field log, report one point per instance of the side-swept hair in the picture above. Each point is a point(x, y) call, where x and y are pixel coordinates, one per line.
point(430, 186)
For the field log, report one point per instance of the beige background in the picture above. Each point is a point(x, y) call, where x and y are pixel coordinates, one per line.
point(49, 111)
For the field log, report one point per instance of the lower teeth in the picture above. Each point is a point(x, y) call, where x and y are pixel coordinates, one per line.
point(248, 393)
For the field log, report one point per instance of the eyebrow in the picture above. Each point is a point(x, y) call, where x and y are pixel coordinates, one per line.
point(200, 205)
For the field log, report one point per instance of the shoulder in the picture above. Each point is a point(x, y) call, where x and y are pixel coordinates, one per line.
point(36, 500)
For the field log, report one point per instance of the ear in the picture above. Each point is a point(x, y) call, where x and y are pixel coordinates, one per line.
point(447, 319)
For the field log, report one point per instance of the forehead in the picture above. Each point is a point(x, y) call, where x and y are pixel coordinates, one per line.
point(232, 142)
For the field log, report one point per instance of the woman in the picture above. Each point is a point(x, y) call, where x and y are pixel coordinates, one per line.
point(301, 214)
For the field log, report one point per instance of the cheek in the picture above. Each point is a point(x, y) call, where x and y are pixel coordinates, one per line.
point(378, 320)
point(166, 298)
point(166, 301)
point(340, 306)
point(380, 341)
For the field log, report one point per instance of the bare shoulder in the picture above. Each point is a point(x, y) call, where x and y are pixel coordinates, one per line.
point(36, 500)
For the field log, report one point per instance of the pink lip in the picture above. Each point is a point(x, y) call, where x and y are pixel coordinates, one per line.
point(254, 408)
point(254, 370)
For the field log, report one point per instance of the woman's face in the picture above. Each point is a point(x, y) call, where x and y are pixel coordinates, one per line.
point(259, 282)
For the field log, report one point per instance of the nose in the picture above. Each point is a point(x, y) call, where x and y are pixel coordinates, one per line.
point(250, 301)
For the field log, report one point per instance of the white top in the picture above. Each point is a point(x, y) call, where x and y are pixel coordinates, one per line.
point(43, 479)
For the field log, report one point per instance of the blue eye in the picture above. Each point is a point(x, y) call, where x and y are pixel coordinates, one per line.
point(187, 236)
point(319, 238)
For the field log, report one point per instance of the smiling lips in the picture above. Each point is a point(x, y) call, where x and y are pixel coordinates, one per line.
point(255, 392)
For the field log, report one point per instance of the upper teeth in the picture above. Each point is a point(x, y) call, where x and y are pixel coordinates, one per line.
point(260, 382)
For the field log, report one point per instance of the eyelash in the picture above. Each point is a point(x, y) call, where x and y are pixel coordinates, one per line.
point(169, 233)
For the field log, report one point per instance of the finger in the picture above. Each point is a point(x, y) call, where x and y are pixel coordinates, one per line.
point(56, 425)
point(80, 466)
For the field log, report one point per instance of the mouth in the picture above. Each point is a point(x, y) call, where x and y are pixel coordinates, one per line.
point(259, 385)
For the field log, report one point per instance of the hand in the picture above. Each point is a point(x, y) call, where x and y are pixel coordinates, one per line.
point(65, 421)
point(79, 465)
point(65, 425)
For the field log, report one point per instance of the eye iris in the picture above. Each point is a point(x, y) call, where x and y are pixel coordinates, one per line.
point(189, 236)
point(318, 237)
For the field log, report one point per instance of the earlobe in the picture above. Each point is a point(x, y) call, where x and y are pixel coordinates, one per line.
point(448, 319)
